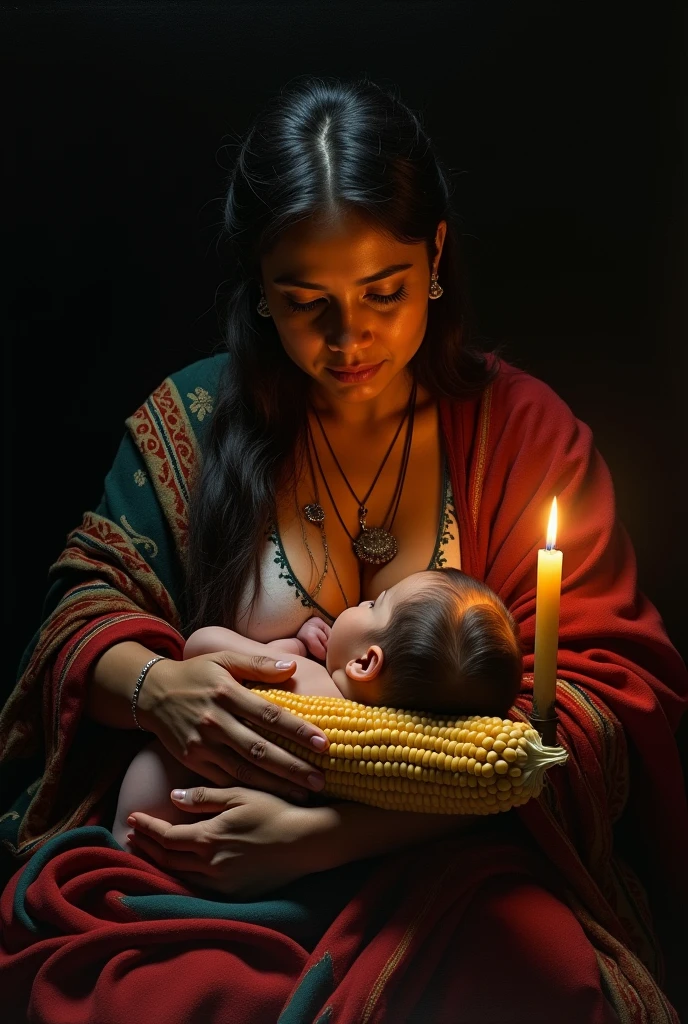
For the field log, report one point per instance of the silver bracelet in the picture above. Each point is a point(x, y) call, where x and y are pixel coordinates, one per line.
point(139, 683)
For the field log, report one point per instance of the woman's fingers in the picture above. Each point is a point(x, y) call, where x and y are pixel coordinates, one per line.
point(254, 761)
point(170, 860)
point(253, 778)
point(162, 837)
point(241, 701)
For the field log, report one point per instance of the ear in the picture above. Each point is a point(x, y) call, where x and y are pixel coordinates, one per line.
point(367, 667)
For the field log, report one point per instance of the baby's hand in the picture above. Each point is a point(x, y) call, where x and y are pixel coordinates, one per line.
point(315, 634)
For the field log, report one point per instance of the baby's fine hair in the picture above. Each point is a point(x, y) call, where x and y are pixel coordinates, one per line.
point(453, 647)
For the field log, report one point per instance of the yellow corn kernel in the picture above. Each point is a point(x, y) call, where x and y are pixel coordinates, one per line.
point(412, 761)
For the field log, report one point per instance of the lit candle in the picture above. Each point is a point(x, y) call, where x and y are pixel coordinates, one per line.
point(547, 630)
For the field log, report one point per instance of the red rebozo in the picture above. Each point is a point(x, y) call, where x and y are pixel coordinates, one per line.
point(540, 916)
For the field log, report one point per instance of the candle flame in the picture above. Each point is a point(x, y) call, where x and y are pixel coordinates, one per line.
point(552, 527)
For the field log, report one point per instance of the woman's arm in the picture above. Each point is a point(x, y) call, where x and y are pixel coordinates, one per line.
point(111, 682)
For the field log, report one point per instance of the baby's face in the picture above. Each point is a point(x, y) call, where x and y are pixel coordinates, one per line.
point(348, 636)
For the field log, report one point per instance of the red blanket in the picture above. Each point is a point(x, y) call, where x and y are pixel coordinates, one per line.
point(554, 917)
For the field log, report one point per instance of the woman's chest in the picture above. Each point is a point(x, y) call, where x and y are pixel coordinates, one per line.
point(410, 499)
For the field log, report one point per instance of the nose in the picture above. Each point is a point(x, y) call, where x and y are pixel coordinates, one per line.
point(348, 334)
point(349, 342)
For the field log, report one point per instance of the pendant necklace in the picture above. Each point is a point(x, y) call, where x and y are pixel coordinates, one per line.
point(374, 545)
point(316, 514)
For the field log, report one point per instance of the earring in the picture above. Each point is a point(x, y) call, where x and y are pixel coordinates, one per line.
point(436, 288)
point(262, 307)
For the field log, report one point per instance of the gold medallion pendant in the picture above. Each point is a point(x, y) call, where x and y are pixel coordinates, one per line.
point(375, 546)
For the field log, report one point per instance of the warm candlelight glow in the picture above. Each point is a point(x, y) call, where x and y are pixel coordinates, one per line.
point(549, 566)
point(552, 527)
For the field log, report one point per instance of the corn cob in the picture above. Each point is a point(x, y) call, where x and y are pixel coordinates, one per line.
point(415, 761)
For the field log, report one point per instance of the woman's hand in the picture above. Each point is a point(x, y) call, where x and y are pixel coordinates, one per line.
point(203, 716)
point(254, 843)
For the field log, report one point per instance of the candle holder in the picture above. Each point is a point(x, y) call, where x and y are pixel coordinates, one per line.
point(545, 725)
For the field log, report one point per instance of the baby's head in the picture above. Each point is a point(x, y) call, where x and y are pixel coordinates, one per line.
point(438, 640)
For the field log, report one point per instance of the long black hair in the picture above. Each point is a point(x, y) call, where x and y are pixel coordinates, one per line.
point(319, 147)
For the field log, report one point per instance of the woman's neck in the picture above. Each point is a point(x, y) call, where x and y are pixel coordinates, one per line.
point(389, 404)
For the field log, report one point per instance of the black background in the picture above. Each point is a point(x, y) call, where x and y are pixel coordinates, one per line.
point(563, 125)
point(559, 121)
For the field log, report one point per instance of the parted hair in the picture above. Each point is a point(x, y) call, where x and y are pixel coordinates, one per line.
point(318, 148)
point(453, 646)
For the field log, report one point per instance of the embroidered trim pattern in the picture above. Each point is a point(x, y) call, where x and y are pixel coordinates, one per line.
point(289, 575)
point(163, 434)
point(285, 570)
point(444, 534)
point(482, 455)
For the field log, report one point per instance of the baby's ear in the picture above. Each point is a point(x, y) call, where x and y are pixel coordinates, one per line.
point(368, 666)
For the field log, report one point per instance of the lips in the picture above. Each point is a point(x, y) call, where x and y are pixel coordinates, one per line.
point(357, 368)
point(355, 374)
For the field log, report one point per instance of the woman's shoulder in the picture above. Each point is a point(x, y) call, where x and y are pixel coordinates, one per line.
point(180, 408)
point(201, 378)
point(515, 410)
point(515, 393)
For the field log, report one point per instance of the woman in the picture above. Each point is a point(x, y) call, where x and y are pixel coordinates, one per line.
point(257, 489)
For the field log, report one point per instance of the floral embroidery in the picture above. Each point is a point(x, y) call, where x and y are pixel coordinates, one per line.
point(149, 545)
point(285, 573)
point(202, 402)
point(139, 477)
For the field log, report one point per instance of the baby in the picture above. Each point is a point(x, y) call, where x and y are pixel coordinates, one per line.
point(438, 640)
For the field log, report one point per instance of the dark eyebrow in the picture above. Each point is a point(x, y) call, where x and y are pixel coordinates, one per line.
point(387, 272)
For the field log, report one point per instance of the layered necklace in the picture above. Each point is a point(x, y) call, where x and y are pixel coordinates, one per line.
point(374, 545)
point(316, 514)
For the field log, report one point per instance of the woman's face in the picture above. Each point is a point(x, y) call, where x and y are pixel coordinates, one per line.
point(347, 322)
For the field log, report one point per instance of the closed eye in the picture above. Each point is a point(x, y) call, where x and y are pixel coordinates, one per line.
point(304, 307)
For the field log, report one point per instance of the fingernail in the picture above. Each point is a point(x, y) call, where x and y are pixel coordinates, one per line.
point(131, 821)
point(284, 664)
point(131, 836)
point(316, 781)
point(180, 794)
point(319, 742)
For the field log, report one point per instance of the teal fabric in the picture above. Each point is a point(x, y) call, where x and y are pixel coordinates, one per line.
point(316, 985)
point(302, 910)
